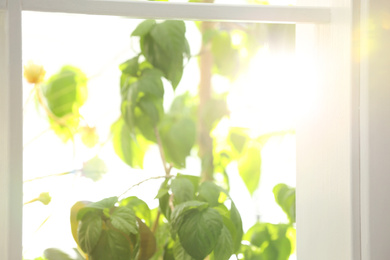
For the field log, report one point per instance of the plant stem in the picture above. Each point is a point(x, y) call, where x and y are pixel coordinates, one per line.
point(52, 175)
point(167, 168)
point(204, 139)
point(148, 179)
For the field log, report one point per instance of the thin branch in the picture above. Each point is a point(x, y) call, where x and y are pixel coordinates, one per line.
point(36, 137)
point(52, 175)
point(151, 178)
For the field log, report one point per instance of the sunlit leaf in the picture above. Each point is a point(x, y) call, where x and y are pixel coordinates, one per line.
point(224, 247)
point(66, 91)
point(94, 169)
point(140, 208)
point(164, 46)
point(178, 137)
point(89, 136)
point(285, 197)
point(130, 67)
point(249, 167)
point(89, 232)
point(45, 198)
point(74, 222)
point(199, 232)
point(226, 57)
point(112, 245)
point(237, 222)
point(130, 150)
point(123, 219)
point(209, 192)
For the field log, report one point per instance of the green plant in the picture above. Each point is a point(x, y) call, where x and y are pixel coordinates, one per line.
point(196, 217)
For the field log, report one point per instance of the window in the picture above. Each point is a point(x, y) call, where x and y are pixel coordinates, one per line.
point(333, 138)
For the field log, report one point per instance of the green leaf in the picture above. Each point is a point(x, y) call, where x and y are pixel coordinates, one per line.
point(180, 253)
point(182, 189)
point(237, 222)
point(163, 199)
point(123, 219)
point(238, 139)
point(89, 231)
point(209, 192)
point(164, 47)
point(66, 91)
point(143, 28)
point(224, 247)
point(181, 210)
point(226, 57)
point(130, 149)
point(249, 167)
point(199, 232)
point(150, 82)
point(140, 208)
point(215, 109)
point(130, 67)
point(285, 197)
point(94, 169)
point(178, 137)
point(152, 108)
point(112, 245)
point(56, 254)
point(258, 234)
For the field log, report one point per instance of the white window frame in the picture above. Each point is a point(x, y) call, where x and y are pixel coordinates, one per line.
point(342, 171)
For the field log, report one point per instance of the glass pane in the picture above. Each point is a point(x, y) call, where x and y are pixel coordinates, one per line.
point(187, 116)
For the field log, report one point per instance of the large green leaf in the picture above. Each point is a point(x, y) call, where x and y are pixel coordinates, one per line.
point(129, 148)
point(224, 247)
point(178, 137)
point(182, 210)
point(123, 219)
point(143, 28)
point(285, 197)
point(199, 232)
point(112, 245)
point(180, 253)
point(249, 166)
point(90, 229)
point(182, 190)
point(164, 46)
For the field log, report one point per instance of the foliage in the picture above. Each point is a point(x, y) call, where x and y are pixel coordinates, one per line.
point(196, 218)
